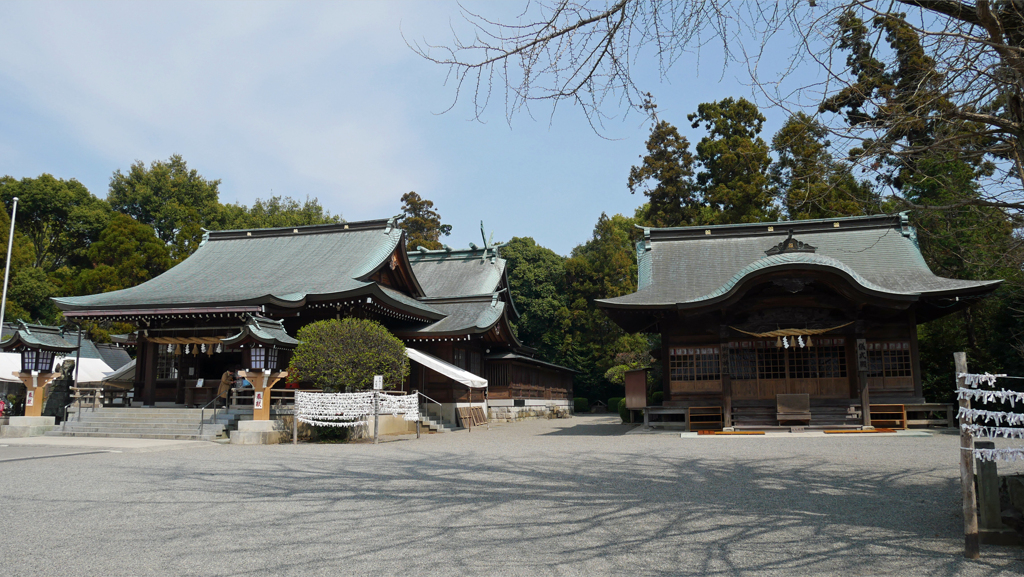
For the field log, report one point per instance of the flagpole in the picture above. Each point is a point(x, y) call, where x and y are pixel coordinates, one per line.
point(7, 268)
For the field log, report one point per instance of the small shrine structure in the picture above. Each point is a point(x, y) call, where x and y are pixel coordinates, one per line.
point(826, 309)
point(38, 345)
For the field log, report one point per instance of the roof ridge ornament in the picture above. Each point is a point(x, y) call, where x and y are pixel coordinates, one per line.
point(790, 245)
point(489, 244)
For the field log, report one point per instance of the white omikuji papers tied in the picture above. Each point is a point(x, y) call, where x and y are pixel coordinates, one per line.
point(992, 424)
point(351, 409)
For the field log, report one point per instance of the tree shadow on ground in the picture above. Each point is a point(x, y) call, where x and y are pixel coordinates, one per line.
point(618, 512)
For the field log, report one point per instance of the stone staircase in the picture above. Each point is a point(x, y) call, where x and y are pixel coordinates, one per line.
point(149, 423)
point(764, 417)
point(436, 425)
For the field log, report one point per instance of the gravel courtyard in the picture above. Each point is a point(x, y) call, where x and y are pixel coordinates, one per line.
point(547, 497)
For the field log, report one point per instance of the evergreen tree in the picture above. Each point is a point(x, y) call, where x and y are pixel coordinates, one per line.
point(422, 224)
point(735, 161)
point(278, 211)
point(176, 201)
point(665, 175)
point(808, 181)
point(127, 253)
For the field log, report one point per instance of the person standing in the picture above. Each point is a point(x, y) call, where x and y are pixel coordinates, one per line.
point(227, 381)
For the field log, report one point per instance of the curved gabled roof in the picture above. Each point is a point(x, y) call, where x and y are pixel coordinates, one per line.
point(262, 330)
point(696, 266)
point(467, 272)
point(466, 315)
point(279, 266)
point(444, 273)
point(38, 337)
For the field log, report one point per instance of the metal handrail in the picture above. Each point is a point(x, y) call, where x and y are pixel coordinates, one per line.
point(440, 419)
point(78, 399)
point(64, 423)
point(202, 412)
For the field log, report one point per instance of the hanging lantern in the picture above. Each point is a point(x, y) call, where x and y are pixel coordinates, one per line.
point(258, 357)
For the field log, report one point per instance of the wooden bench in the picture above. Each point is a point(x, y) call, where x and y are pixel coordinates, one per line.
point(793, 407)
point(928, 409)
point(889, 416)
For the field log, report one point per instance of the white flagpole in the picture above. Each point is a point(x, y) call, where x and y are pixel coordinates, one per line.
point(7, 268)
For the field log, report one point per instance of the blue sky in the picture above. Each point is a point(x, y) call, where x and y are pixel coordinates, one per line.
point(318, 99)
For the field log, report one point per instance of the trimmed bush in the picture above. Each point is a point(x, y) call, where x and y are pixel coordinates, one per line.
point(580, 405)
point(613, 404)
point(657, 397)
point(338, 355)
point(623, 411)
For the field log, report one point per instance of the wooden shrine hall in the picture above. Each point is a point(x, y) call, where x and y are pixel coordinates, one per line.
point(759, 319)
point(452, 305)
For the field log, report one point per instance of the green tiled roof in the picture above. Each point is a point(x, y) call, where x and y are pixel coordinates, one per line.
point(464, 316)
point(695, 265)
point(445, 273)
point(280, 266)
point(264, 330)
point(38, 337)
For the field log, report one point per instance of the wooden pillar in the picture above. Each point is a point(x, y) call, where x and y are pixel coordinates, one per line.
point(972, 543)
point(666, 382)
point(35, 383)
point(262, 382)
point(724, 351)
point(861, 351)
point(149, 374)
point(989, 518)
point(182, 364)
point(915, 357)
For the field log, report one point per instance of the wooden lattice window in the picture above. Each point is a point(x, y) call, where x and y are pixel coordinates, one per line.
point(771, 361)
point(694, 364)
point(831, 357)
point(459, 358)
point(166, 363)
point(803, 363)
point(742, 360)
point(891, 359)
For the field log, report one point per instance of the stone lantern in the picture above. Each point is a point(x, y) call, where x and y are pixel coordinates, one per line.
point(38, 346)
point(262, 341)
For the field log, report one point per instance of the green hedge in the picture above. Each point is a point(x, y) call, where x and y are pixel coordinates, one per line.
point(613, 404)
point(580, 405)
point(657, 398)
point(623, 411)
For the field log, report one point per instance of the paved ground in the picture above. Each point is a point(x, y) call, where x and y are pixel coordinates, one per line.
point(564, 497)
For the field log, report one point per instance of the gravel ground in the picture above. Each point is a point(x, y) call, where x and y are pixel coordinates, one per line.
point(561, 497)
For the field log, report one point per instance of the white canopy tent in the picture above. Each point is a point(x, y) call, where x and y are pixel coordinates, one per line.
point(447, 369)
point(91, 372)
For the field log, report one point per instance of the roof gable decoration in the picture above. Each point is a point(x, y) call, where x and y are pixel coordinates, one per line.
point(264, 331)
point(789, 245)
point(37, 337)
